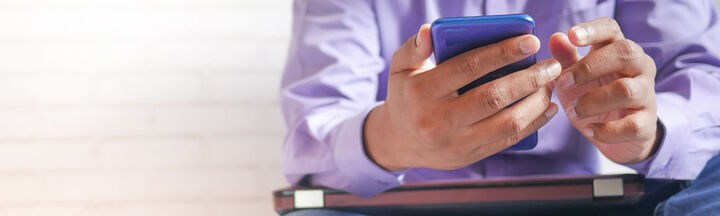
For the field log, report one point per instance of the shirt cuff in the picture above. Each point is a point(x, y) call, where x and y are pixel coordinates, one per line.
point(669, 160)
point(365, 177)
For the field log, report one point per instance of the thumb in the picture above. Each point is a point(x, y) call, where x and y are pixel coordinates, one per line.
point(563, 50)
point(414, 53)
point(566, 53)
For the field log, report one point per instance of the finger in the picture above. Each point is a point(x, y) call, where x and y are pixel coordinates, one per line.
point(635, 127)
point(464, 68)
point(574, 93)
point(533, 127)
point(599, 31)
point(509, 124)
point(626, 93)
point(488, 99)
point(562, 50)
point(414, 53)
point(548, 114)
point(480, 152)
point(623, 56)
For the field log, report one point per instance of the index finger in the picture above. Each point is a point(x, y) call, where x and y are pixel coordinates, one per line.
point(464, 68)
point(620, 57)
point(599, 31)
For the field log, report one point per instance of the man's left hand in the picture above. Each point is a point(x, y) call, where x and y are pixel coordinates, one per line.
point(609, 94)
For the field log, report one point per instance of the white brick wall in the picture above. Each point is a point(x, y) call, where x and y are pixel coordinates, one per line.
point(141, 107)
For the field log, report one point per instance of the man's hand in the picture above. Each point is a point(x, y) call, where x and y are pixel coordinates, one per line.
point(608, 95)
point(425, 123)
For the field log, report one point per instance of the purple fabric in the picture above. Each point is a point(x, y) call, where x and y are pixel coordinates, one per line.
point(341, 50)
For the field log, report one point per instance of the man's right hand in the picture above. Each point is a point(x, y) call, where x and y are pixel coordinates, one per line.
point(425, 123)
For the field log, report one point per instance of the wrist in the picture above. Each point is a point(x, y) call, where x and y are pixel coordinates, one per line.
point(654, 143)
point(377, 140)
point(659, 137)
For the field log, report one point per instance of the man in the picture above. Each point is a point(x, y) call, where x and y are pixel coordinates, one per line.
point(635, 80)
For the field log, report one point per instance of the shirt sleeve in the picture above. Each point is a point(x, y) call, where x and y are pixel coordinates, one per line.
point(329, 86)
point(683, 37)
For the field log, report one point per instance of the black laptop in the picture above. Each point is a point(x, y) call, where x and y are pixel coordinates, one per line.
point(539, 195)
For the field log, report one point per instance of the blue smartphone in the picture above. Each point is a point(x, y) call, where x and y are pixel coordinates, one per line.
point(456, 35)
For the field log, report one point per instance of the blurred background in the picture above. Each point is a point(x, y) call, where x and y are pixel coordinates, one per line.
point(142, 107)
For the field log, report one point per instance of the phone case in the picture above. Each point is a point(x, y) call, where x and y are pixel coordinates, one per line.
point(456, 35)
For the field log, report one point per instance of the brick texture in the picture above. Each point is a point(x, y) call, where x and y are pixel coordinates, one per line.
point(141, 107)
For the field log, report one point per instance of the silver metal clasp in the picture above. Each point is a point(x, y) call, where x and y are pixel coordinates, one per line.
point(608, 187)
point(309, 199)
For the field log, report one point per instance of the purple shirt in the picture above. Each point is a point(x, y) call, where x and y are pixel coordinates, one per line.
point(341, 50)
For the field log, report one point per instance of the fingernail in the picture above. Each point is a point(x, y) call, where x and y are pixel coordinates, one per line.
point(417, 37)
point(581, 33)
point(571, 111)
point(527, 46)
point(566, 80)
point(553, 70)
point(588, 132)
point(550, 112)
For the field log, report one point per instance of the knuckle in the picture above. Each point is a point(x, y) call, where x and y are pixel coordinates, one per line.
point(581, 109)
point(626, 89)
point(515, 124)
point(505, 53)
point(584, 69)
point(494, 97)
point(648, 64)
point(611, 23)
point(626, 49)
point(546, 100)
point(512, 140)
point(633, 127)
point(538, 79)
point(467, 66)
